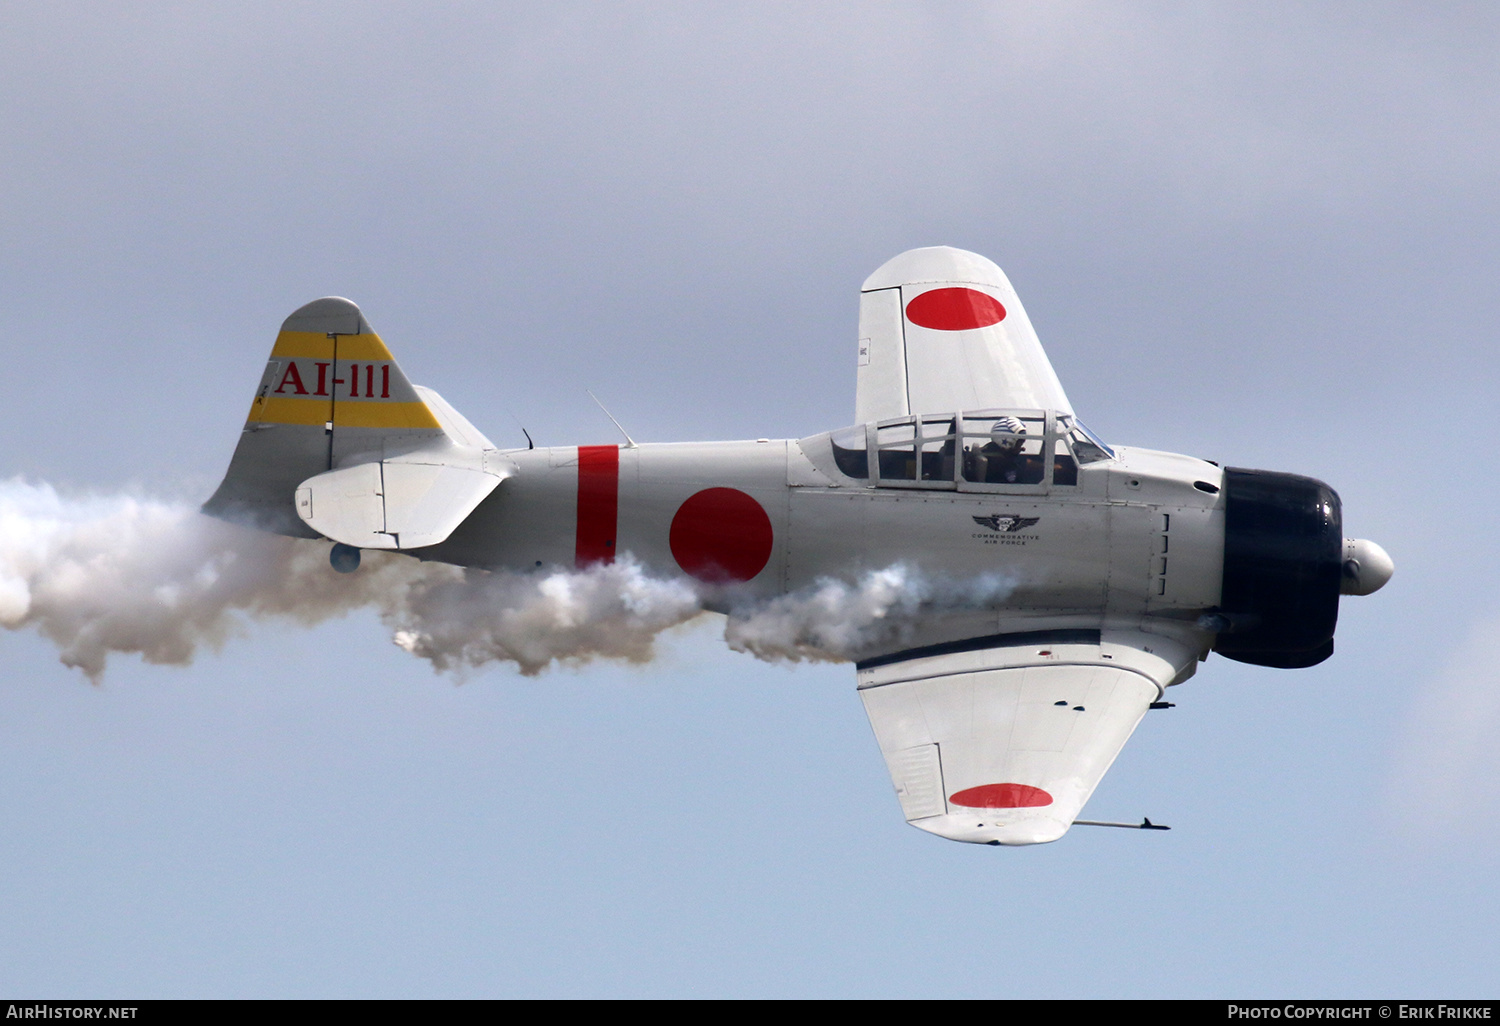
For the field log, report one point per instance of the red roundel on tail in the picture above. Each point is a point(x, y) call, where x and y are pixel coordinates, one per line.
point(955, 309)
point(1002, 796)
point(721, 535)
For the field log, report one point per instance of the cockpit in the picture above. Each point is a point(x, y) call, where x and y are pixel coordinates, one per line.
point(976, 450)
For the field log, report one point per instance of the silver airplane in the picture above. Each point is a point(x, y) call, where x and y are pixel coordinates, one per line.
point(1122, 568)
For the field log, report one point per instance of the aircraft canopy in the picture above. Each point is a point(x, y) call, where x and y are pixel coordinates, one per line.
point(969, 451)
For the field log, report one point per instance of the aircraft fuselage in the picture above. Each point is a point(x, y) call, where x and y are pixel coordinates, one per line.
point(1137, 537)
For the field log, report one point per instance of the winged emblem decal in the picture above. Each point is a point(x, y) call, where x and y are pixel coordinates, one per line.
point(1006, 523)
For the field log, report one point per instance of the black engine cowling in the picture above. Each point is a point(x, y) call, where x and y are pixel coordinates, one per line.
point(1283, 551)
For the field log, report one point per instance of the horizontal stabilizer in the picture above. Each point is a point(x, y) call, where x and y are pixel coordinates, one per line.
point(394, 504)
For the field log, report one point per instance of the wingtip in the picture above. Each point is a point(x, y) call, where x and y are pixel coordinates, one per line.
point(936, 264)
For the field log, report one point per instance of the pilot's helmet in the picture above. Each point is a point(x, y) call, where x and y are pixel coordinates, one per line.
point(1008, 433)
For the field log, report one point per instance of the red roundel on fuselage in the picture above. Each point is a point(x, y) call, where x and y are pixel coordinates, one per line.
point(721, 535)
point(955, 309)
point(1002, 796)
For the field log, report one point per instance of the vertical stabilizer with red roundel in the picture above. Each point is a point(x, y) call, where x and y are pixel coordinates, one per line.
point(941, 330)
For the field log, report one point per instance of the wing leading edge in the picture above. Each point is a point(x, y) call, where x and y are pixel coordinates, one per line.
point(1005, 744)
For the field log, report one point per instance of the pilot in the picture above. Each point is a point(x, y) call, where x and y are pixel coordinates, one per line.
point(1002, 453)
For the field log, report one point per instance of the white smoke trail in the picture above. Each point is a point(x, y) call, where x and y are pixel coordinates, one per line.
point(118, 574)
point(106, 575)
point(833, 621)
point(614, 610)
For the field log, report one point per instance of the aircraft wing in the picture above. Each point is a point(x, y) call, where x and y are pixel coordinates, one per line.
point(942, 330)
point(1002, 740)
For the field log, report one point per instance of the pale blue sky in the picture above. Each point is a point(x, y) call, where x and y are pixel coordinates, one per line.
point(1262, 234)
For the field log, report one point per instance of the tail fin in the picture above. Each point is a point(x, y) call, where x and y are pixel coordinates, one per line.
point(331, 396)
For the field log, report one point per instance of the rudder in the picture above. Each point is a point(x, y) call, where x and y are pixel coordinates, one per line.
point(331, 395)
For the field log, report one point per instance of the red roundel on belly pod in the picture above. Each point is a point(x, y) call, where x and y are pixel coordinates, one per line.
point(1002, 796)
point(721, 535)
point(955, 309)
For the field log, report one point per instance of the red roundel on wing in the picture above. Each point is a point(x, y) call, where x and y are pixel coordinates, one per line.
point(955, 309)
point(1002, 796)
point(721, 535)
